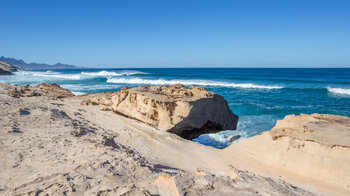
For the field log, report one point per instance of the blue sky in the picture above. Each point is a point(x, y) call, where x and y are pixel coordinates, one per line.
point(178, 33)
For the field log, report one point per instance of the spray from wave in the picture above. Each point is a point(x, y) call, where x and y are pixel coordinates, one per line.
point(49, 74)
point(248, 126)
point(221, 139)
point(111, 73)
point(77, 76)
point(77, 93)
point(189, 82)
point(84, 87)
point(342, 91)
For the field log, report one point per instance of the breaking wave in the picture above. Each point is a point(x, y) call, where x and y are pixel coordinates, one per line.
point(342, 91)
point(112, 73)
point(82, 87)
point(50, 74)
point(189, 82)
point(77, 76)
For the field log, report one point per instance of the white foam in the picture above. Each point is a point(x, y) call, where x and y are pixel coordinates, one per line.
point(61, 76)
point(342, 91)
point(111, 73)
point(21, 72)
point(221, 139)
point(189, 82)
point(77, 93)
point(83, 87)
point(49, 74)
point(77, 76)
point(225, 136)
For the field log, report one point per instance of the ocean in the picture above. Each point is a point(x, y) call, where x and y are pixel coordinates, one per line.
point(259, 96)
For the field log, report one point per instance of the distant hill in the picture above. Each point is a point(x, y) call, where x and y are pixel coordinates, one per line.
point(23, 65)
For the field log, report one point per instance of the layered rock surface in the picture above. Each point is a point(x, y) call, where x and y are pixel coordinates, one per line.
point(54, 89)
point(45, 89)
point(187, 112)
point(313, 150)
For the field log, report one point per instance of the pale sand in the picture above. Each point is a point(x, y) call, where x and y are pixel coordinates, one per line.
point(57, 146)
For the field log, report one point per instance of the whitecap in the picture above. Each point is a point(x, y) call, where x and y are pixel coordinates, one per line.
point(49, 74)
point(342, 91)
point(189, 82)
point(77, 76)
point(83, 87)
point(111, 73)
point(60, 76)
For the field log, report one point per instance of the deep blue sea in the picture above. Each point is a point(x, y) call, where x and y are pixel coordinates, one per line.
point(259, 96)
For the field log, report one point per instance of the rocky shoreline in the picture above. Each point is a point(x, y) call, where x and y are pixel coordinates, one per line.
point(7, 69)
point(55, 143)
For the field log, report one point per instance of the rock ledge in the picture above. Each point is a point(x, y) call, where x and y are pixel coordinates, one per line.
point(187, 112)
point(312, 150)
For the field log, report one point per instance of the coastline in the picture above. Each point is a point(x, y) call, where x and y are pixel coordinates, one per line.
point(54, 144)
point(258, 108)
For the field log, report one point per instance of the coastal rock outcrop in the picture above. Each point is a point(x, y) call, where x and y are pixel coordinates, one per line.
point(51, 90)
point(187, 112)
point(55, 89)
point(313, 150)
point(7, 69)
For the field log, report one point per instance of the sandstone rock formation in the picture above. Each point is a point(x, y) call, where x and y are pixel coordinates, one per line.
point(6, 69)
point(187, 112)
point(312, 150)
point(55, 89)
point(47, 89)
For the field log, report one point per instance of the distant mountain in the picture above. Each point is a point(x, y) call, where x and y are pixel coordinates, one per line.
point(23, 65)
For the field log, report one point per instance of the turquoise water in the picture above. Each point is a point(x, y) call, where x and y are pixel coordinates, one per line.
point(258, 96)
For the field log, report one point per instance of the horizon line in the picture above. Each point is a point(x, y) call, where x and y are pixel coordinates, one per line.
point(345, 67)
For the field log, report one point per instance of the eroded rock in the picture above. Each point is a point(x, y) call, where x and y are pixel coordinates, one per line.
point(315, 149)
point(187, 112)
point(324, 129)
point(55, 89)
point(50, 90)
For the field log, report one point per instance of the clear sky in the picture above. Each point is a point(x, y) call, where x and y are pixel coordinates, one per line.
point(177, 33)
